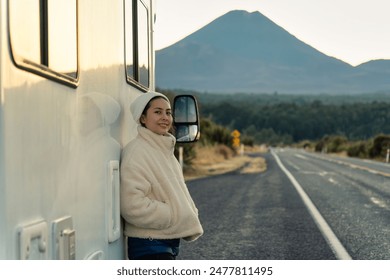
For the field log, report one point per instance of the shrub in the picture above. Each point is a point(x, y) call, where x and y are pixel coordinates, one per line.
point(358, 149)
point(332, 144)
point(212, 133)
point(379, 146)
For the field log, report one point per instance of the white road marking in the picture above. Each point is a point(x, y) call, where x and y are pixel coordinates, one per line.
point(294, 165)
point(354, 166)
point(300, 156)
point(332, 240)
point(379, 202)
point(333, 181)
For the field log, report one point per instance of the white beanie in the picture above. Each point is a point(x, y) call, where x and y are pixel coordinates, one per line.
point(139, 104)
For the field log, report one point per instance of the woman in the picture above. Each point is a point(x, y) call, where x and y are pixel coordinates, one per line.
point(155, 203)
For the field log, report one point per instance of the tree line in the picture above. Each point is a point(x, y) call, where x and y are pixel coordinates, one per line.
point(288, 123)
point(354, 121)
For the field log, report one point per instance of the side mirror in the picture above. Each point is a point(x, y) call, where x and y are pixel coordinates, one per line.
point(186, 119)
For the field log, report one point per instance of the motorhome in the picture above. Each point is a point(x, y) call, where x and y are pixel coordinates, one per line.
point(69, 70)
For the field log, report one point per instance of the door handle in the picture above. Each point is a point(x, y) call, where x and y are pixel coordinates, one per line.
point(113, 201)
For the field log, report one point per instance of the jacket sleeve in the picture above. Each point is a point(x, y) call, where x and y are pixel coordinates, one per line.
point(138, 207)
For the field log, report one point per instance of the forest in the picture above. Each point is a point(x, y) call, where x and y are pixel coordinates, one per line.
point(288, 122)
point(278, 119)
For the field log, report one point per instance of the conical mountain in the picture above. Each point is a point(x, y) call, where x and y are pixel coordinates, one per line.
point(247, 52)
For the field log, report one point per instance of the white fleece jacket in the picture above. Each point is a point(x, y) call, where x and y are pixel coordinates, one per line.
point(155, 202)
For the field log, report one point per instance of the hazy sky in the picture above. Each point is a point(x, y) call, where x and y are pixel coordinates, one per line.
point(354, 31)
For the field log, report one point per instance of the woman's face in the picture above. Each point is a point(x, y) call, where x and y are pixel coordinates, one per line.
point(158, 116)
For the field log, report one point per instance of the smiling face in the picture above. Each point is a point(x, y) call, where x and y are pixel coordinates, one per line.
point(158, 117)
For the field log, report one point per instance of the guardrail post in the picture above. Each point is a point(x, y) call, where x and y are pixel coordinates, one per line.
point(181, 157)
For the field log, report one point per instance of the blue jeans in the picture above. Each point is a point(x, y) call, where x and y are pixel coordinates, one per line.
point(152, 249)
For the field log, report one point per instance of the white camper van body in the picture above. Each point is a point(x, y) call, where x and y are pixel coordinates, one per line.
point(69, 70)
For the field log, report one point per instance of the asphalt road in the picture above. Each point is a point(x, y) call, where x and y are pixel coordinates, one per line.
point(264, 216)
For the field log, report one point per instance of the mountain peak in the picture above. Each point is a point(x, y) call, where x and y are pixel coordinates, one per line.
point(246, 52)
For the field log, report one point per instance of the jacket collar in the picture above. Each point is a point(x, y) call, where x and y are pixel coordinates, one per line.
point(164, 142)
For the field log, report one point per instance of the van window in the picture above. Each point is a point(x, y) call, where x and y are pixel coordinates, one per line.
point(137, 44)
point(43, 38)
point(62, 37)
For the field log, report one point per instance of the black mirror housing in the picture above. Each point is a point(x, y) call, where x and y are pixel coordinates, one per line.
point(186, 119)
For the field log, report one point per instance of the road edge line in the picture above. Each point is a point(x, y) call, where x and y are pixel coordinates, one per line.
point(332, 240)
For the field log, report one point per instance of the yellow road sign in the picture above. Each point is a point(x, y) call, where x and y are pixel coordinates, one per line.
point(236, 133)
point(236, 142)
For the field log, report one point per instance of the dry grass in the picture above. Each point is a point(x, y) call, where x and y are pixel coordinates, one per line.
point(256, 165)
point(219, 159)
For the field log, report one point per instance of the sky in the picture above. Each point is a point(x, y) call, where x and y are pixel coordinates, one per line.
point(355, 31)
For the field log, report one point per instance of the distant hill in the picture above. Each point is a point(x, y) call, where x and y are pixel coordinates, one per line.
point(247, 52)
